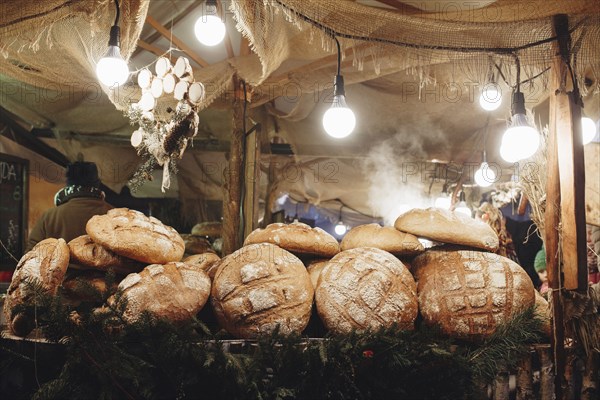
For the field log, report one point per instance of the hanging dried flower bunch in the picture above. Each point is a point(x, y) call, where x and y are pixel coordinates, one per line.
point(163, 141)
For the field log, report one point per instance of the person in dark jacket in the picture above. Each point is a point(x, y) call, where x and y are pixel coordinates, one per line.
point(75, 204)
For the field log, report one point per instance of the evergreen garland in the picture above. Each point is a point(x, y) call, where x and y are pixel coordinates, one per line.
point(154, 359)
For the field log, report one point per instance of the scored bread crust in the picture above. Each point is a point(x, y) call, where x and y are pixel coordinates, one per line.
point(207, 262)
point(468, 293)
point(86, 254)
point(314, 271)
point(385, 238)
point(448, 227)
point(297, 237)
point(131, 234)
point(45, 264)
point(366, 288)
point(261, 288)
point(174, 291)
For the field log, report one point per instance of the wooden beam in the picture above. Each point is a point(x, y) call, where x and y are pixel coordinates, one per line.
point(184, 13)
point(232, 184)
point(178, 42)
point(252, 180)
point(245, 49)
point(228, 46)
point(571, 167)
point(154, 50)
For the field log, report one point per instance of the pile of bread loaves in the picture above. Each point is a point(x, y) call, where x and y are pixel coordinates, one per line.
point(274, 280)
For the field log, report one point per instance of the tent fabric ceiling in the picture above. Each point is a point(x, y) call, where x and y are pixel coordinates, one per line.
point(419, 101)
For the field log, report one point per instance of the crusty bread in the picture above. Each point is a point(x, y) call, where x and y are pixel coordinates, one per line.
point(87, 286)
point(467, 294)
point(366, 288)
point(207, 262)
point(196, 244)
point(174, 291)
point(448, 227)
point(211, 229)
point(385, 238)
point(44, 265)
point(86, 254)
point(314, 270)
point(297, 238)
point(261, 287)
point(131, 234)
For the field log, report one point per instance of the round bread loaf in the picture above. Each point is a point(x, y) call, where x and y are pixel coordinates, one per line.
point(366, 288)
point(88, 286)
point(448, 227)
point(297, 238)
point(385, 238)
point(45, 265)
point(131, 234)
point(174, 291)
point(207, 262)
point(260, 288)
point(196, 244)
point(211, 229)
point(314, 271)
point(467, 294)
point(542, 310)
point(85, 254)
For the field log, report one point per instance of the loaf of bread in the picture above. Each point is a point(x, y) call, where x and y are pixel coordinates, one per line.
point(207, 262)
point(467, 294)
point(448, 227)
point(314, 270)
point(131, 234)
point(86, 254)
point(366, 288)
point(542, 310)
point(211, 229)
point(87, 286)
point(297, 238)
point(261, 288)
point(196, 244)
point(385, 238)
point(43, 267)
point(174, 291)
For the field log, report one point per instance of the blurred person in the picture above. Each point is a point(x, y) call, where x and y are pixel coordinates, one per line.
point(75, 204)
point(540, 267)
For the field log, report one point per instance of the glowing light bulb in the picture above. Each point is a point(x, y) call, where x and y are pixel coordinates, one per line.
point(462, 208)
point(588, 130)
point(520, 140)
point(485, 175)
point(209, 28)
point(340, 228)
point(491, 97)
point(339, 121)
point(112, 69)
point(443, 201)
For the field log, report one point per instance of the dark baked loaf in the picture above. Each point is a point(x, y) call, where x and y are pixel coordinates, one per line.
point(86, 254)
point(385, 238)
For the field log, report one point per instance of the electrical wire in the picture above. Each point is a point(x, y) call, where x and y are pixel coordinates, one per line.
point(118, 13)
point(339, 55)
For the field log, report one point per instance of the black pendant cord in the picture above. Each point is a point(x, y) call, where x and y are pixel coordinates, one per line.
point(339, 55)
point(118, 16)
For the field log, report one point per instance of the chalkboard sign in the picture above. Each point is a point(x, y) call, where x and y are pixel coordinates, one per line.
point(13, 208)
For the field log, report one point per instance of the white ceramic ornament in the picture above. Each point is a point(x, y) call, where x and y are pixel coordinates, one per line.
point(196, 92)
point(136, 137)
point(181, 90)
point(156, 88)
point(183, 69)
point(168, 83)
point(147, 102)
point(144, 78)
point(162, 67)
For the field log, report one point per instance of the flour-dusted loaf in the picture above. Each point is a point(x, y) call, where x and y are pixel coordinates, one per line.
point(448, 227)
point(211, 229)
point(385, 238)
point(196, 244)
point(467, 294)
point(87, 286)
point(314, 270)
point(207, 262)
point(542, 310)
point(131, 234)
point(44, 267)
point(86, 254)
point(297, 238)
point(174, 291)
point(261, 288)
point(366, 288)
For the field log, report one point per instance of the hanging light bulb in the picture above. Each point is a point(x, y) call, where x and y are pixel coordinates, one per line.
point(112, 69)
point(588, 130)
point(340, 228)
point(339, 121)
point(209, 28)
point(443, 201)
point(462, 207)
point(491, 97)
point(485, 176)
point(520, 140)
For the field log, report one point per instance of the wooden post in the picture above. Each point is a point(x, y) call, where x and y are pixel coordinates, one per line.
point(546, 377)
point(589, 384)
point(571, 166)
point(501, 386)
point(525, 379)
point(252, 180)
point(232, 185)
